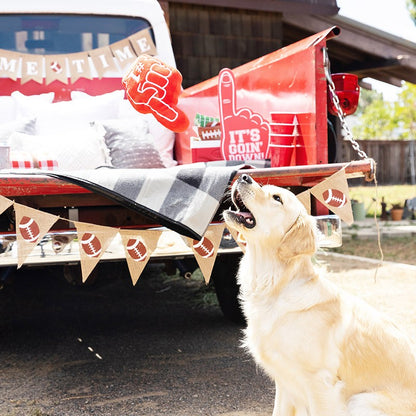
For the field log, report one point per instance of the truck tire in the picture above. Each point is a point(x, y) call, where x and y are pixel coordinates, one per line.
point(226, 287)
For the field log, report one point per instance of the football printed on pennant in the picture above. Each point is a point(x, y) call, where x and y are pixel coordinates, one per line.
point(91, 245)
point(136, 249)
point(56, 67)
point(29, 229)
point(335, 198)
point(203, 247)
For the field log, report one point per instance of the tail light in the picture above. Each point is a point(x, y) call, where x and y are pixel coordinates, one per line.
point(347, 91)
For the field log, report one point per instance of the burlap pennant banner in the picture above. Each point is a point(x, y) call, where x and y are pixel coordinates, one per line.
point(305, 198)
point(31, 227)
point(103, 61)
point(56, 68)
point(32, 68)
point(142, 43)
point(78, 65)
point(9, 64)
point(93, 241)
point(124, 53)
point(5, 203)
point(139, 246)
point(205, 250)
point(334, 194)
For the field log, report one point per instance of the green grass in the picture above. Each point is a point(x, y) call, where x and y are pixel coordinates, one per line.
point(394, 194)
point(398, 249)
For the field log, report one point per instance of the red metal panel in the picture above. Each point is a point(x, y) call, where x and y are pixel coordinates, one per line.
point(291, 79)
point(25, 185)
point(28, 185)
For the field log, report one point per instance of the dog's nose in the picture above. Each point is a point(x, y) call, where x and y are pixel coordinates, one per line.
point(246, 178)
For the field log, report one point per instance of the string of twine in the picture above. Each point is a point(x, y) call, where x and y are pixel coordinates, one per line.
point(355, 145)
point(380, 249)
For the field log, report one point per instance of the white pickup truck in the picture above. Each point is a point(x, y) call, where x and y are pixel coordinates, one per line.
point(61, 65)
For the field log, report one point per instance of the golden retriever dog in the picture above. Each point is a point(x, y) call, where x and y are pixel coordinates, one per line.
point(330, 354)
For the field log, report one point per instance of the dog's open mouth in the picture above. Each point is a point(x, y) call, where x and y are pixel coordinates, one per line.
point(243, 214)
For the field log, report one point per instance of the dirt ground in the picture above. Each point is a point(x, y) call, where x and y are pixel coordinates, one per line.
point(160, 351)
point(389, 287)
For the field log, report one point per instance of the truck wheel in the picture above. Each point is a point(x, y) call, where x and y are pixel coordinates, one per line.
point(226, 287)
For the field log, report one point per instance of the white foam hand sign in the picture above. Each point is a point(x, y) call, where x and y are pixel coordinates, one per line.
point(245, 135)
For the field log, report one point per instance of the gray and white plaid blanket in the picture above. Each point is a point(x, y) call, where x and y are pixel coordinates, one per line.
point(183, 198)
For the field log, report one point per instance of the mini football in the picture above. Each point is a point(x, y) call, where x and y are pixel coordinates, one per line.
point(29, 229)
point(136, 249)
point(56, 67)
point(91, 245)
point(203, 247)
point(334, 198)
point(209, 133)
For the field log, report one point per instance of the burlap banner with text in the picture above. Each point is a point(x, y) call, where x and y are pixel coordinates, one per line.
point(116, 57)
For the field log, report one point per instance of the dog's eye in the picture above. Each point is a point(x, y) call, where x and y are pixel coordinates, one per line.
point(277, 198)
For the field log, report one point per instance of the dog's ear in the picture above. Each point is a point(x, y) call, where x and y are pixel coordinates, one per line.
point(300, 238)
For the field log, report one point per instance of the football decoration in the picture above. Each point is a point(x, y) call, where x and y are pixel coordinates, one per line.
point(334, 198)
point(29, 229)
point(56, 67)
point(209, 133)
point(136, 249)
point(91, 245)
point(203, 247)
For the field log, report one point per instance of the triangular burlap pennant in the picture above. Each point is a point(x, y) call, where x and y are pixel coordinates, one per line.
point(32, 68)
point(5, 203)
point(56, 69)
point(205, 250)
point(333, 193)
point(93, 241)
point(9, 64)
point(305, 198)
point(79, 66)
point(139, 246)
point(103, 61)
point(124, 54)
point(31, 226)
point(142, 43)
point(238, 238)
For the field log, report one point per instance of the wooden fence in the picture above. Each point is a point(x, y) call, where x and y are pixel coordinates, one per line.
point(395, 159)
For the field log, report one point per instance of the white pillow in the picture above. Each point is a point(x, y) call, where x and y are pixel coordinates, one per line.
point(7, 109)
point(63, 116)
point(163, 137)
point(27, 126)
point(73, 150)
point(24, 104)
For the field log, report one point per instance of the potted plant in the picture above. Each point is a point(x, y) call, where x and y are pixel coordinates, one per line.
point(396, 212)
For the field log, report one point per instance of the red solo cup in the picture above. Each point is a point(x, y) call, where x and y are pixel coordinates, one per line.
point(285, 118)
point(281, 149)
point(282, 128)
point(289, 118)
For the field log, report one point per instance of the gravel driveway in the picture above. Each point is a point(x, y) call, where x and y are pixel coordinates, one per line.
point(111, 349)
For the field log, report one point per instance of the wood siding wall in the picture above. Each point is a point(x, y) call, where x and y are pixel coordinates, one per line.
point(207, 39)
point(392, 158)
